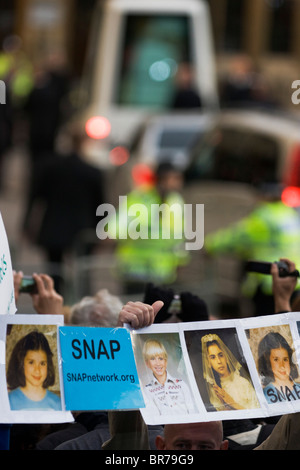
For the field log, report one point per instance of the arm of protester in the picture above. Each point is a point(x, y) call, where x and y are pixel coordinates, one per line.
point(283, 287)
point(285, 435)
point(128, 431)
point(127, 428)
point(46, 301)
point(139, 314)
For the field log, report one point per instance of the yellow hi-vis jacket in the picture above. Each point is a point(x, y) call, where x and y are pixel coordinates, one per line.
point(270, 232)
point(150, 243)
point(17, 73)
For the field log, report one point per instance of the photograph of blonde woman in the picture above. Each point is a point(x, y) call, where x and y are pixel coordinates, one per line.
point(220, 371)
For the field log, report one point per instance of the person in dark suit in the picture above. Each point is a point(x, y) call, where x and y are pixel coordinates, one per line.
point(65, 192)
point(44, 111)
point(186, 95)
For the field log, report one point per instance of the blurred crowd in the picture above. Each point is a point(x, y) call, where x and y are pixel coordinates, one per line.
point(36, 97)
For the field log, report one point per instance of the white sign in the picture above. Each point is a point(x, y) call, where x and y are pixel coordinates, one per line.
point(7, 294)
point(219, 370)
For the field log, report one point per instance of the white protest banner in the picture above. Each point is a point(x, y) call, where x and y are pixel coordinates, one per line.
point(181, 372)
point(7, 294)
point(69, 368)
point(219, 370)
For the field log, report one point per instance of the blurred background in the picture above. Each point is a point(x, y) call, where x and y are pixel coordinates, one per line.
point(111, 69)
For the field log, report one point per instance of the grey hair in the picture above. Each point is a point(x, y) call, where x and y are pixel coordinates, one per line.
point(100, 310)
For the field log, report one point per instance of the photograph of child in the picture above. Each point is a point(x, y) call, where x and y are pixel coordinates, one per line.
point(273, 352)
point(32, 368)
point(164, 379)
point(220, 370)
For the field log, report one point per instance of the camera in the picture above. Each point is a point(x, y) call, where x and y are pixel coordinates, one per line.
point(28, 285)
point(264, 267)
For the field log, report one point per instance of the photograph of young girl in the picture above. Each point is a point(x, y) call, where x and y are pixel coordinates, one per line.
point(273, 352)
point(32, 368)
point(164, 379)
point(220, 370)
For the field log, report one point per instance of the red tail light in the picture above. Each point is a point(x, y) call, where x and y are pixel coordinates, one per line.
point(292, 178)
point(98, 127)
point(119, 155)
point(291, 196)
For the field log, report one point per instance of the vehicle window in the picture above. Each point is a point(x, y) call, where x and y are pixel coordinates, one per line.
point(153, 47)
point(177, 139)
point(233, 155)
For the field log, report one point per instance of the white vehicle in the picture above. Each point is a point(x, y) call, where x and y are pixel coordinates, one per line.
point(132, 63)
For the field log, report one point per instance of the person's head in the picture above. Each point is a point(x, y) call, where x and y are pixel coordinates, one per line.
point(72, 139)
point(156, 358)
point(217, 358)
point(241, 65)
point(185, 75)
point(192, 436)
point(100, 310)
point(275, 359)
point(31, 353)
point(168, 178)
point(268, 192)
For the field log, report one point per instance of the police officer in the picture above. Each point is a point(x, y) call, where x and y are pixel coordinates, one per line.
point(270, 232)
point(152, 257)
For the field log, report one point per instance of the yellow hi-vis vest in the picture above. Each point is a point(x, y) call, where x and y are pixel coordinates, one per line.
point(150, 243)
point(18, 74)
point(270, 232)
